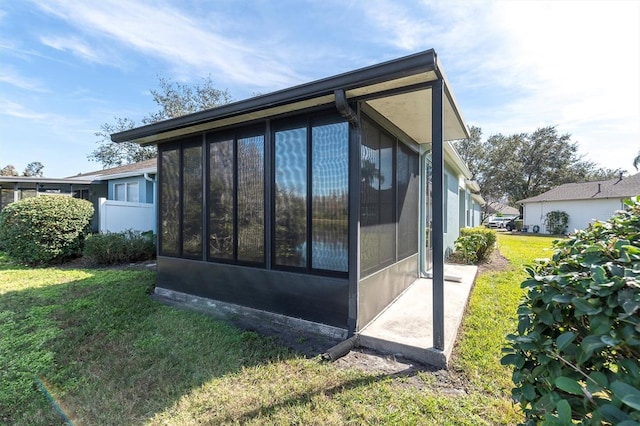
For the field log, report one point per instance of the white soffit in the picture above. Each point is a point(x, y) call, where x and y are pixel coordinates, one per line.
point(411, 112)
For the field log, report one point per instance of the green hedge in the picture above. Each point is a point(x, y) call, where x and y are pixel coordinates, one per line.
point(576, 351)
point(475, 244)
point(120, 247)
point(46, 229)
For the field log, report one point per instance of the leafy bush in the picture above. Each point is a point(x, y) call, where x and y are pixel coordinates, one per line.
point(519, 224)
point(475, 244)
point(556, 222)
point(120, 247)
point(43, 230)
point(576, 353)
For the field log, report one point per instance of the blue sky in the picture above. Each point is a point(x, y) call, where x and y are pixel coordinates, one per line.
point(67, 66)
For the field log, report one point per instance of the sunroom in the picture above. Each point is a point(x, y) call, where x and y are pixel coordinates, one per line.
point(309, 206)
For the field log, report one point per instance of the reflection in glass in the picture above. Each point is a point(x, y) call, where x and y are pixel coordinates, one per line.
point(330, 171)
point(170, 202)
point(7, 197)
point(192, 201)
point(408, 195)
point(251, 199)
point(291, 197)
point(221, 199)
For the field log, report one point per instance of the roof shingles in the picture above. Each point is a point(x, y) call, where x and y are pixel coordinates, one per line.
point(627, 186)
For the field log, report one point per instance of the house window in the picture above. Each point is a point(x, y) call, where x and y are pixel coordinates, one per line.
point(311, 172)
point(236, 197)
point(127, 191)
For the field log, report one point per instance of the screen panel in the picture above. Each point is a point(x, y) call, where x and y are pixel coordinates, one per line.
point(221, 193)
point(251, 199)
point(330, 196)
point(291, 197)
point(192, 201)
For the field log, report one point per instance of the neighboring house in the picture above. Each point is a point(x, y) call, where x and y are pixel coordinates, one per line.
point(583, 202)
point(497, 209)
point(123, 197)
point(311, 206)
point(129, 201)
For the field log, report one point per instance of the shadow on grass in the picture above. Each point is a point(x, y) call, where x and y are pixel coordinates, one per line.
point(112, 355)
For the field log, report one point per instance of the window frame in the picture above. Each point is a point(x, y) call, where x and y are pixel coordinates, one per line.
point(235, 135)
point(127, 185)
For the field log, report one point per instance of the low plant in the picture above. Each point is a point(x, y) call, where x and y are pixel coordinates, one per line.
point(44, 230)
point(519, 224)
point(475, 244)
point(120, 247)
point(576, 352)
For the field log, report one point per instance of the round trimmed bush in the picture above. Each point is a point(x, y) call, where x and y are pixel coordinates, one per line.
point(44, 230)
point(576, 352)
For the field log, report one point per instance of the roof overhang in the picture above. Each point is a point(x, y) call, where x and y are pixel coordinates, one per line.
point(43, 180)
point(400, 90)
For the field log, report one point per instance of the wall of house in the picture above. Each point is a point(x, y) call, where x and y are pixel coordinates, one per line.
point(145, 188)
point(451, 209)
point(581, 212)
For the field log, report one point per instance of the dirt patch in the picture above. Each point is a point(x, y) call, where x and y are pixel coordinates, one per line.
point(495, 263)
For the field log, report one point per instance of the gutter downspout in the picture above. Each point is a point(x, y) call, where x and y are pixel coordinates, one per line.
point(344, 109)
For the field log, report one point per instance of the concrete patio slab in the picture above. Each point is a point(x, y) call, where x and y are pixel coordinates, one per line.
point(405, 327)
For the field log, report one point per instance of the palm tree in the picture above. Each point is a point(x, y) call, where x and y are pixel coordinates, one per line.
point(636, 161)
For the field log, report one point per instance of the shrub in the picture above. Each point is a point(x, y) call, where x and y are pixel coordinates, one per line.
point(576, 352)
point(556, 222)
point(475, 244)
point(44, 230)
point(519, 224)
point(120, 247)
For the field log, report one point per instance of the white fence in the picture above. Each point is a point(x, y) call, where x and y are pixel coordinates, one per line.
point(118, 216)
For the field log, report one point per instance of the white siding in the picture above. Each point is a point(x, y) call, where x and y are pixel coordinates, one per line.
point(581, 212)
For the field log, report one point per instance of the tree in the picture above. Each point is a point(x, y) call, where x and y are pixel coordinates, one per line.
point(33, 169)
point(636, 161)
point(518, 166)
point(8, 170)
point(174, 99)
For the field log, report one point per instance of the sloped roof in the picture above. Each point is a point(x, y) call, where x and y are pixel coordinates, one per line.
point(627, 186)
point(133, 169)
point(502, 208)
point(401, 90)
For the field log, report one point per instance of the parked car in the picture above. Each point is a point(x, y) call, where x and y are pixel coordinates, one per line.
point(511, 224)
point(498, 222)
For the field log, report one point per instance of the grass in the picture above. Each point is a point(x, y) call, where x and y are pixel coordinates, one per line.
point(109, 354)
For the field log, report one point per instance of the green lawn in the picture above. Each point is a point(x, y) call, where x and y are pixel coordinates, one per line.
point(109, 354)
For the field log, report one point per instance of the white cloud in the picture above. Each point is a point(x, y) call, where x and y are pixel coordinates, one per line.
point(10, 76)
point(76, 46)
point(523, 65)
point(162, 31)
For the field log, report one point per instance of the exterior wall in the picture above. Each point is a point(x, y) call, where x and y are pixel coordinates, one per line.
point(452, 210)
point(118, 216)
point(581, 212)
point(476, 214)
point(376, 291)
point(320, 299)
point(145, 188)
